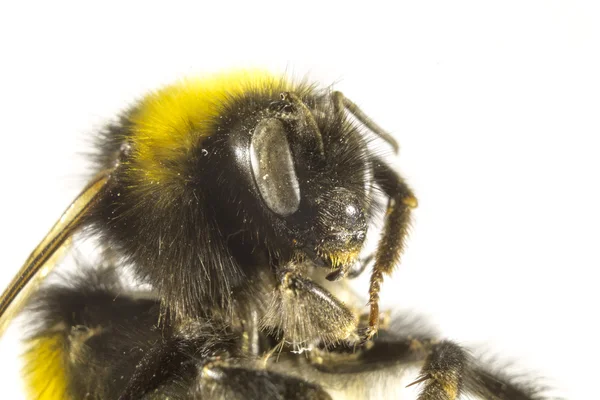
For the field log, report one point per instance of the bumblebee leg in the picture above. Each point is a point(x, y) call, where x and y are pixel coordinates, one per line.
point(391, 245)
point(385, 362)
point(489, 385)
point(443, 372)
point(341, 103)
point(447, 372)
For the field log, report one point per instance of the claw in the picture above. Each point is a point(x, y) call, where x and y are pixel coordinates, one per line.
point(369, 332)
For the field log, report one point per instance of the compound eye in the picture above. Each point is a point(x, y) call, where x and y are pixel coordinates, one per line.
point(273, 167)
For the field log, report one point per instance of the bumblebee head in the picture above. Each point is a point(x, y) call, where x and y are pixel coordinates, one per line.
point(308, 171)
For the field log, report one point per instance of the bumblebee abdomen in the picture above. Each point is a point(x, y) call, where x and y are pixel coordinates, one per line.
point(46, 368)
point(80, 347)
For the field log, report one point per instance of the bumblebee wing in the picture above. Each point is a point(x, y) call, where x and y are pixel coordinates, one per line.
point(44, 257)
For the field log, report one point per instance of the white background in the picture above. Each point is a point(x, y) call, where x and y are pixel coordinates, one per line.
point(495, 104)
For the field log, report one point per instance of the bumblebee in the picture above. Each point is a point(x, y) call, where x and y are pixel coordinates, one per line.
point(241, 202)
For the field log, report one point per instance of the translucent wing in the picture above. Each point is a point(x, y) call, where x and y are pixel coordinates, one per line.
point(44, 257)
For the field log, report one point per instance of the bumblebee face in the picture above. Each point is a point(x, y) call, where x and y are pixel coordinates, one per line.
point(307, 169)
point(341, 226)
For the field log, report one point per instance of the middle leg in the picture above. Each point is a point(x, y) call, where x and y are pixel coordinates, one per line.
point(447, 371)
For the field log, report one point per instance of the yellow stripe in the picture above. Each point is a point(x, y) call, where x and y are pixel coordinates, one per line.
point(172, 121)
point(46, 368)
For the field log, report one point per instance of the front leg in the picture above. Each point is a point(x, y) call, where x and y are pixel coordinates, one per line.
point(391, 245)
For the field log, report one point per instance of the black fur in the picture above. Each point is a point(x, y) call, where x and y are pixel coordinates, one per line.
point(116, 351)
point(231, 282)
point(200, 240)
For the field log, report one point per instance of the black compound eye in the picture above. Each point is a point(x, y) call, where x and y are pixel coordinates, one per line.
point(273, 167)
